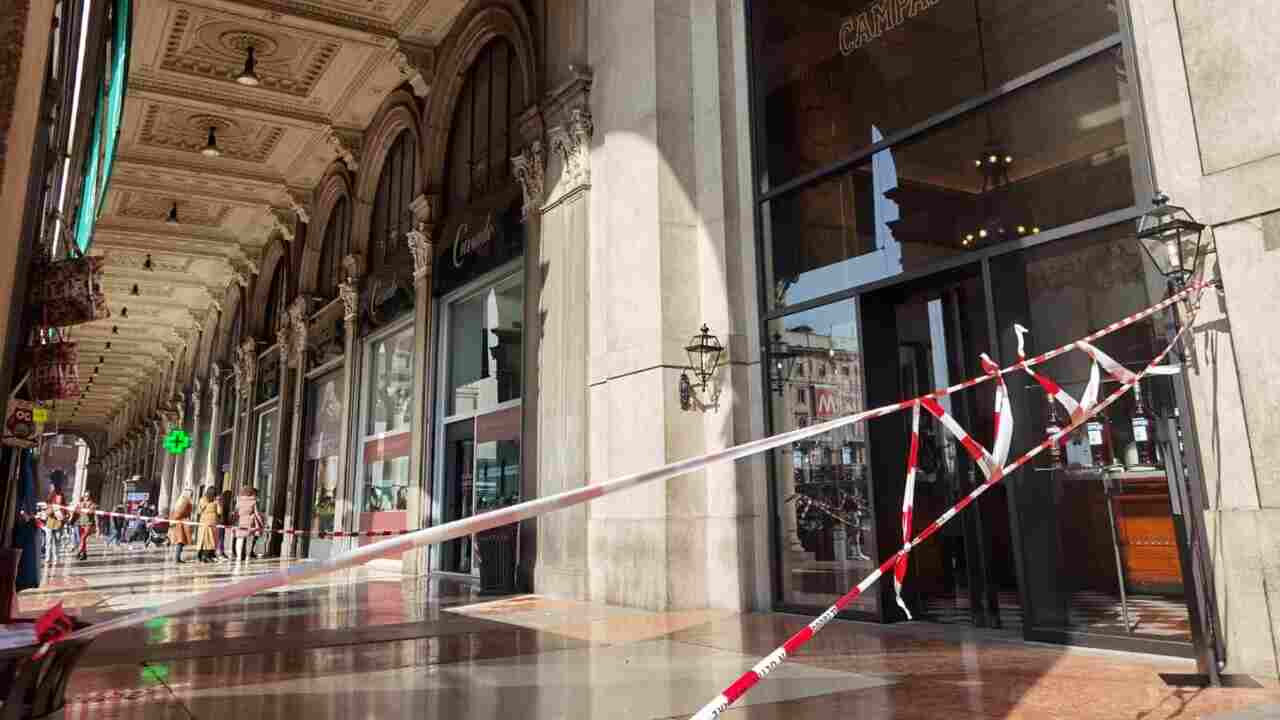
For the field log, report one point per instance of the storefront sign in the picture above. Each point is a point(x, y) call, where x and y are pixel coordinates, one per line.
point(469, 242)
point(481, 238)
point(878, 18)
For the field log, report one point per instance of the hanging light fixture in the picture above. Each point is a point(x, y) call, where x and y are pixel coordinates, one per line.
point(173, 214)
point(108, 346)
point(211, 148)
point(782, 360)
point(247, 76)
point(102, 358)
point(115, 329)
point(994, 164)
point(147, 264)
point(124, 312)
point(136, 290)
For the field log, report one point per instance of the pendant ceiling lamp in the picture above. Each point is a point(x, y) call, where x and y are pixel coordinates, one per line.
point(211, 147)
point(248, 77)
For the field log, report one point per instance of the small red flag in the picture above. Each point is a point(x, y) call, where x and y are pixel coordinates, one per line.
point(53, 625)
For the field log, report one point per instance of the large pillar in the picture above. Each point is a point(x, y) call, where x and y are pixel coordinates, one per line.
point(212, 473)
point(529, 168)
point(246, 379)
point(425, 209)
point(670, 250)
point(349, 291)
point(299, 312)
point(189, 465)
point(282, 487)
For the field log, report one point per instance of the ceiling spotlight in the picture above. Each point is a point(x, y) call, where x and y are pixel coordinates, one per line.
point(173, 215)
point(248, 76)
point(211, 148)
point(147, 264)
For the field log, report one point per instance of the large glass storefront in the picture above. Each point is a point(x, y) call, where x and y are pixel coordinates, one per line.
point(929, 175)
point(265, 418)
point(481, 382)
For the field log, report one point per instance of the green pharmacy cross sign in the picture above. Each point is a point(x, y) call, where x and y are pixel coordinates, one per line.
point(177, 441)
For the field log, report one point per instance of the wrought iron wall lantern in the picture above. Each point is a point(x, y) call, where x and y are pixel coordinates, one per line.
point(782, 361)
point(1172, 240)
point(704, 351)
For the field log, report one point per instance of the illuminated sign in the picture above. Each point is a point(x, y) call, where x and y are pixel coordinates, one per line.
point(825, 402)
point(878, 18)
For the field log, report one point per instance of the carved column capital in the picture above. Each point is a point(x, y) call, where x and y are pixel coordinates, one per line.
point(572, 141)
point(422, 248)
point(282, 220)
point(298, 201)
point(529, 168)
point(349, 292)
point(284, 343)
point(346, 144)
point(354, 265)
point(417, 65)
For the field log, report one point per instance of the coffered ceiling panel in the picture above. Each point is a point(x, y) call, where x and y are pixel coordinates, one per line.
point(187, 130)
point(154, 207)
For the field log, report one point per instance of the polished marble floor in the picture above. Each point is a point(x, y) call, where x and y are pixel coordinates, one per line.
point(373, 645)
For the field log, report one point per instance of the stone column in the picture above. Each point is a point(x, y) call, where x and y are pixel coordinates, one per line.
point(189, 474)
point(559, 268)
point(299, 312)
point(529, 168)
point(282, 491)
point(212, 474)
point(425, 209)
point(349, 291)
point(246, 381)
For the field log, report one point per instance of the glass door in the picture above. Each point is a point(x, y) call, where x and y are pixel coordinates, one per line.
point(481, 381)
point(920, 337)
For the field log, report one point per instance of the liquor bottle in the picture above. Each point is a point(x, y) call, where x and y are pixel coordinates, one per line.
point(1099, 430)
point(1053, 424)
point(1142, 430)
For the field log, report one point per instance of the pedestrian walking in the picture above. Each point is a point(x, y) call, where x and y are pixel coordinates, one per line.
point(86, 522)
point(179, 531)
point(209, 515)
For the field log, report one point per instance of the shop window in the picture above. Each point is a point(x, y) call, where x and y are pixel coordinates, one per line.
point(485, 353)
point(388, 420)
point(335, 246)
point(265, 461)
point(1061, 152)
point(325, 418)
point(830, 78)
point(826, 516)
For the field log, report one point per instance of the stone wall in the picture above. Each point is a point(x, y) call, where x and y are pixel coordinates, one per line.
point(13, 24)
point(1213, 108)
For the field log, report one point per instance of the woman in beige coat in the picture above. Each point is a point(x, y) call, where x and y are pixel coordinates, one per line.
point(180, 532)
point(209, 515)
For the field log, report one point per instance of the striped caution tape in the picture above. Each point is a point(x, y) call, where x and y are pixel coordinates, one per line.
point(395, 546)
point(749, 679)
point(322, 534)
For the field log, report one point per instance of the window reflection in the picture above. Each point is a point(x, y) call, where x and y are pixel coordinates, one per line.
point(826, 519)
point(830, 72)
point(485, 356)
point(1044, 157)
point(384, 495)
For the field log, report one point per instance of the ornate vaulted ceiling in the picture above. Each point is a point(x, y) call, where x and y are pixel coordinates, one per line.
point(324, 66)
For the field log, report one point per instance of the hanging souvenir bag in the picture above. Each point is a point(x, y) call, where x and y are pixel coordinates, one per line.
point(55, 369)
point(70, 292)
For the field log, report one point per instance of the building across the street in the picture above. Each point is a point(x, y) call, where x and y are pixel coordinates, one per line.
point(402, 264)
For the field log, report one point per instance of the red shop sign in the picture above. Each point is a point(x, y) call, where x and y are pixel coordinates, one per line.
point(825, 406)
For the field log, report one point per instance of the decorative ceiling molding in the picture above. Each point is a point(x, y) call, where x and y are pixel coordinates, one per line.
point(153, 207)
point(187, 129)
point(202, 43)
point(146, 85)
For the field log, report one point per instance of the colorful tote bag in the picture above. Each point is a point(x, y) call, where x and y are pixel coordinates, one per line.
point(70, 293)
point(55, 372)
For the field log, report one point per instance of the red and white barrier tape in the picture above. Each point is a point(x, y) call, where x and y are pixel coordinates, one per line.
point(540, 506)
point(762, 669)
point(323, 534)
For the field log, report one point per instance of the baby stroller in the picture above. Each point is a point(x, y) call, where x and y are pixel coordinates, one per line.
point(157, 533)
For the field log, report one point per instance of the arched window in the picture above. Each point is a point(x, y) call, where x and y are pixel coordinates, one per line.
point(277, 299)
point(391, 217)
point(337, 245)
point(481, 139)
